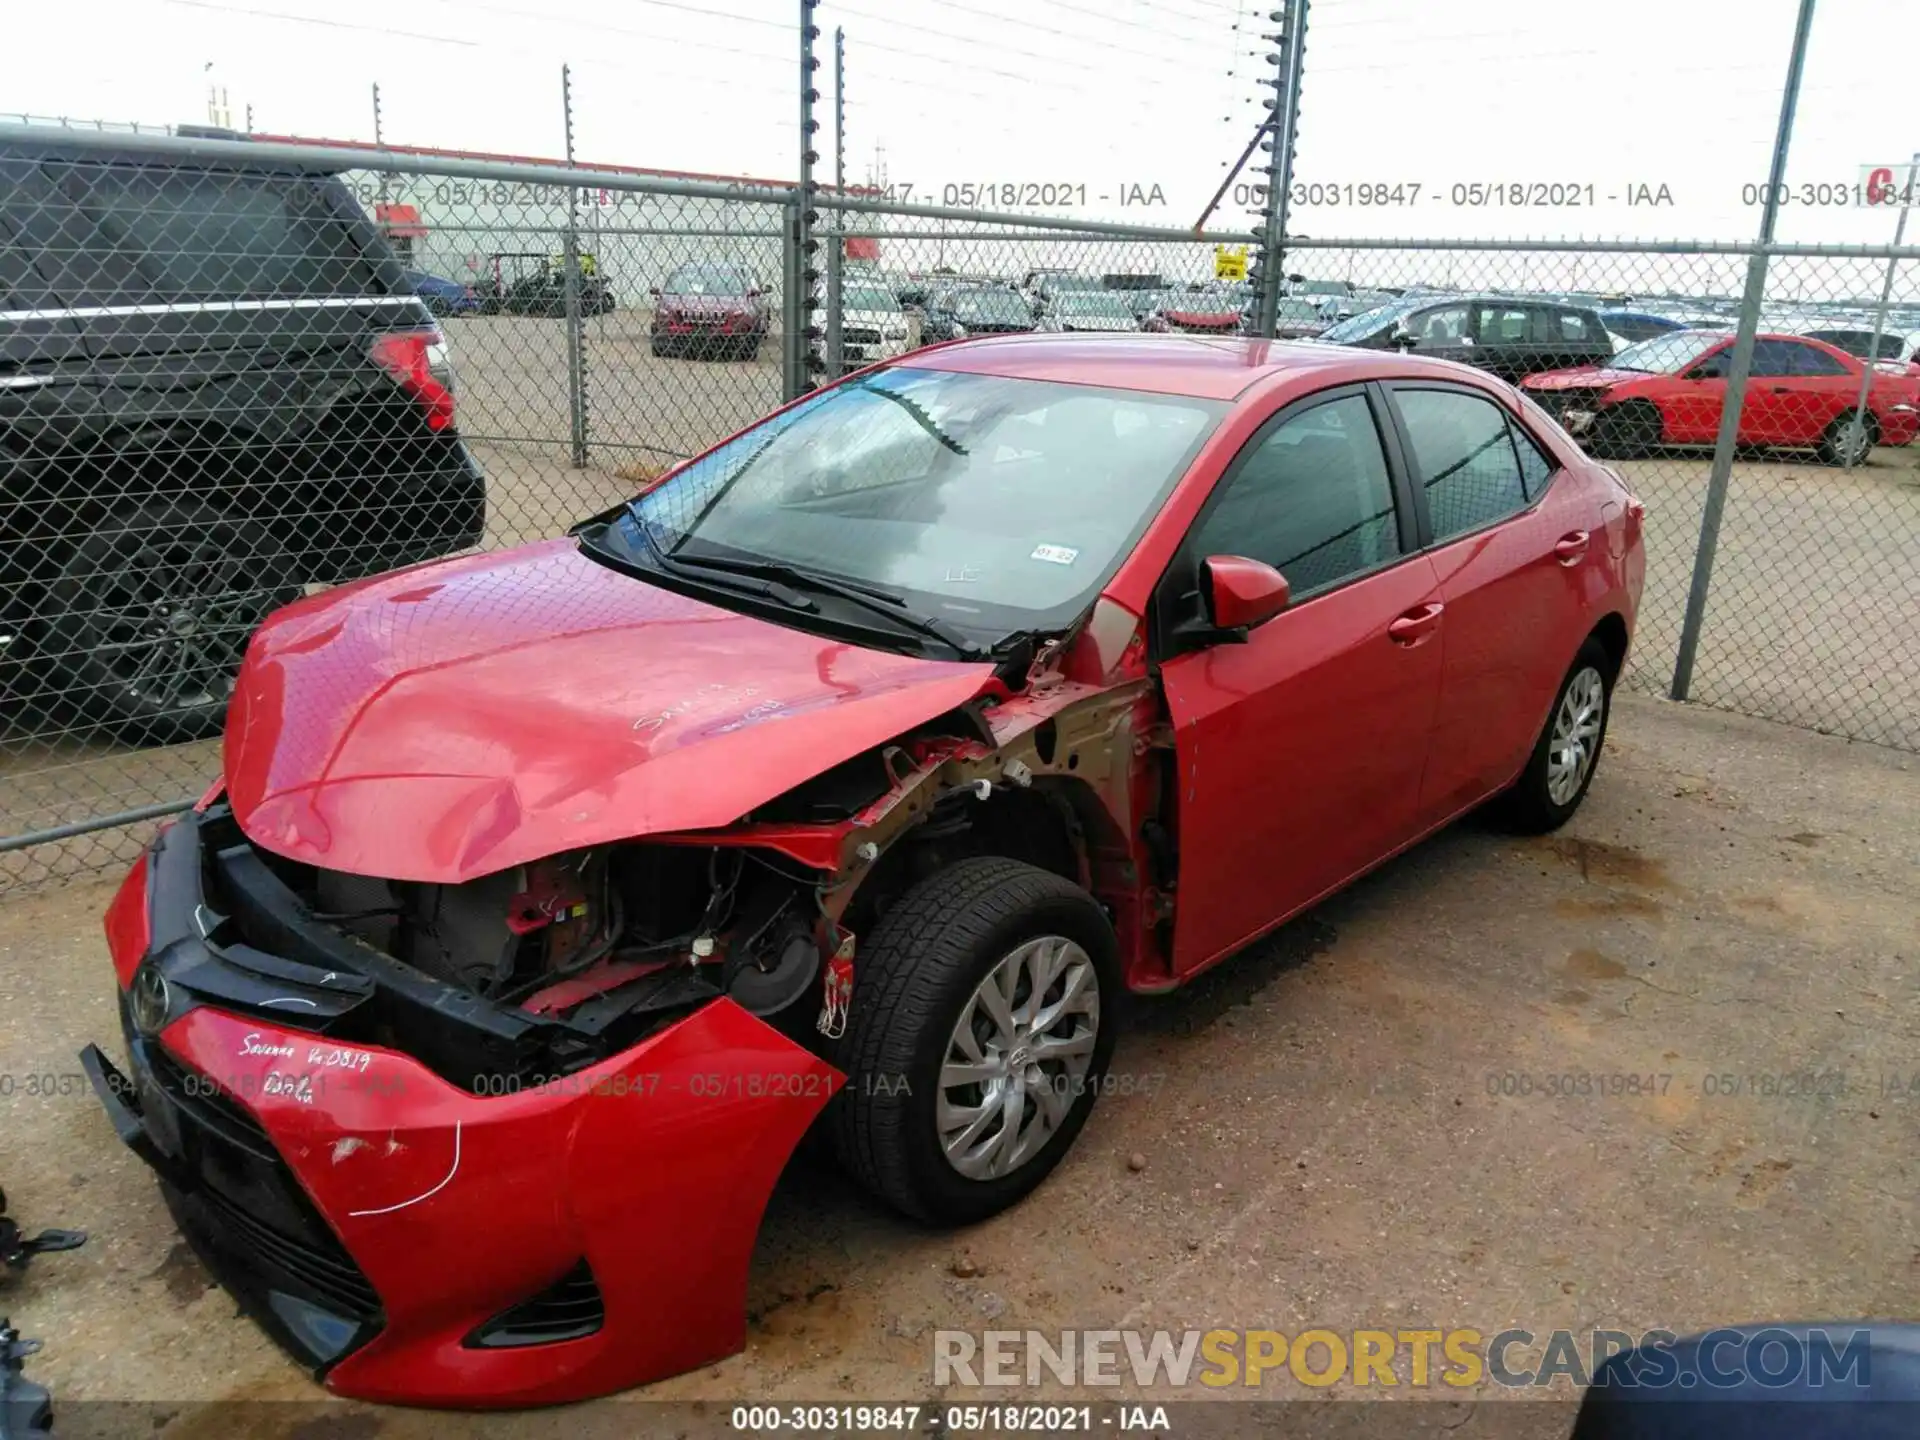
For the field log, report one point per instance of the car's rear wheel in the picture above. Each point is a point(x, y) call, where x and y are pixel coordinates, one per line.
point(979, 1034)
point(1626, 430)
point(1843, 444)
point(151, 614)
point(1567, 753)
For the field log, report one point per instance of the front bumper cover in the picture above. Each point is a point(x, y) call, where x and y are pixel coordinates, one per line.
point(377, 1219)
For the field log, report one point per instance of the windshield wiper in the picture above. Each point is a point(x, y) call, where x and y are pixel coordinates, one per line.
point(741, 581)
point(867, 597)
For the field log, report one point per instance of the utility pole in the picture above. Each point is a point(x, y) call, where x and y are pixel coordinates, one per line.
point(1281, 139)
point(1741, 367)
point(837, 255)
point(1856, 451)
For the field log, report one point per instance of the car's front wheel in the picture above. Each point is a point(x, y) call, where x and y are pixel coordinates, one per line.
point(1627, 430)
point(980, 1029)
point(1567, 753)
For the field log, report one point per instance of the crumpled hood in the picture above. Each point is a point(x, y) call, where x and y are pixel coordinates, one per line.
point(457, 718)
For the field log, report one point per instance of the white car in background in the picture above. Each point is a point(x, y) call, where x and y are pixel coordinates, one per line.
point(1089, 310)
point(873, 324)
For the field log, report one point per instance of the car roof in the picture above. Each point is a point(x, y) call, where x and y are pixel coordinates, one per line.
point(1202, 366)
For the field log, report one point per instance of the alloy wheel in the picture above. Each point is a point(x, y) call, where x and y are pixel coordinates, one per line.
point(1018, 1057)
point(1576, 734)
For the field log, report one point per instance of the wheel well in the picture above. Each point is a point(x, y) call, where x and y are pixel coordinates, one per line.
point(1040, 825)
point(1611, 632)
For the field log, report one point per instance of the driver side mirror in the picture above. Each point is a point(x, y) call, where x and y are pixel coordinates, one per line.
point(1403, 339)
point(1241, 593)
point(755, 292)
point(654, 291)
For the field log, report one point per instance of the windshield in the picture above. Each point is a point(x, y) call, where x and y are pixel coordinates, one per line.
point(869, 297)
point(1100, 303)
point(705, 280)
point(991, 305)
point(997, 505)
point(1367, 321)
point(1667, 354)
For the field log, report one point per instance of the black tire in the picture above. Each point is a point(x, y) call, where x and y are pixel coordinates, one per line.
point(1529, 806)
point(913, 977)
point(751, 351)
point(1626, 430)
point(151, 613)
point(1833, 444)
point(657, 346)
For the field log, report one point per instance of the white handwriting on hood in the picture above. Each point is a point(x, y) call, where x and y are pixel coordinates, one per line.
point(252, 1044)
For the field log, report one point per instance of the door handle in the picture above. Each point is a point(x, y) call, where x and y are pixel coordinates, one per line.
point(1416, 624)
point(1569, 548)
point(1780, 389)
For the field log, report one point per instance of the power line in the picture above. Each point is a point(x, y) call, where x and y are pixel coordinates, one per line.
point(322, 21)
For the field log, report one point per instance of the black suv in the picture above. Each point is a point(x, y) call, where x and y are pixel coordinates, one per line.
point(1511, 335)
point(216, 388)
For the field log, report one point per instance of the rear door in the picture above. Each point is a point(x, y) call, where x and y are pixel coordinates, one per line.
point(1511, 551)
point(1503, 338)
point(1300, 750)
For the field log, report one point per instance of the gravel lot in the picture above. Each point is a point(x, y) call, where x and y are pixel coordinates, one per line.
point(1324, 1144)
point(1814, 616)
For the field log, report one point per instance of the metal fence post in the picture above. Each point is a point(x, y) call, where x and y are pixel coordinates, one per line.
point(1729, 433)
point(1287, 60)
point(1855, 451)
point(792, 342)
point(807, 359)
point(837, 253)
point(576, 337)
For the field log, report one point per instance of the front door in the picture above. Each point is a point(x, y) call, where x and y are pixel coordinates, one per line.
point(1300, 751)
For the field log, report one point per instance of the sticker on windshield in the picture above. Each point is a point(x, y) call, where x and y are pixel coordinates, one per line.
point(1055, 554)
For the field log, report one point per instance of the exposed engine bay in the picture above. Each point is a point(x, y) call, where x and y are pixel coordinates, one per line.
point(552, 935)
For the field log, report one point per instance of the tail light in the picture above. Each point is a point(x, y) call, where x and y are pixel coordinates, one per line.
point(417, 360)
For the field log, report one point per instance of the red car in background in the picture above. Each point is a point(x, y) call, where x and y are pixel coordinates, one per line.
point(865, 762)
point(710, 310)
point(1670, 390)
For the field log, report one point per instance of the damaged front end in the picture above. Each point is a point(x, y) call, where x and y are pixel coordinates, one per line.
point(506, 1138)
point(495, 1143)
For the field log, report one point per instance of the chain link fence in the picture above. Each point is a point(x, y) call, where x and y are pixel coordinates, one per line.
point(234, 373)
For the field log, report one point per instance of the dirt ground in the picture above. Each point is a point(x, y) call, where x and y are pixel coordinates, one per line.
point(1353, 1126)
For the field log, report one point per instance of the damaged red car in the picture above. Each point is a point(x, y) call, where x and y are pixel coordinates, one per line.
point(856, 770)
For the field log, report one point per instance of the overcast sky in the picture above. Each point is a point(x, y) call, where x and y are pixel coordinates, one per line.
point(1100, 94)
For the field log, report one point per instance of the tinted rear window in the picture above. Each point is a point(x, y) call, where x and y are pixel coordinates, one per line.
point(211, 235)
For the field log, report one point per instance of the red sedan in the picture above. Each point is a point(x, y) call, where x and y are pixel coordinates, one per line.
point(862, 764)
point(1670, 390)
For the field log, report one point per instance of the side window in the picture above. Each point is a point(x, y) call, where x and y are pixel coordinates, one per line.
point(1445, 326)
point(1536, 466)
point(1503, 324)
point(1463, 456)
point(1772, 357)
point(1311, 498)
point(1806, 360)
point(1568, 325)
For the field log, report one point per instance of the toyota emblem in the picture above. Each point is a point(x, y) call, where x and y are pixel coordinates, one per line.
point(150, 1000)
